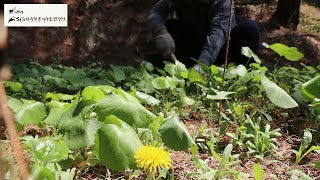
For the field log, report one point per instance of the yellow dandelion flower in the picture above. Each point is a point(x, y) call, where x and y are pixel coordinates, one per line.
point(152, 158)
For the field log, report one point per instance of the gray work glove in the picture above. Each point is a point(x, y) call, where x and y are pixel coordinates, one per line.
point(165, 44)
point(198, 68)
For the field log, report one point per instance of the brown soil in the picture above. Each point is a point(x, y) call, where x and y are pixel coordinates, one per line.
point(277, 164)
point(306, 42)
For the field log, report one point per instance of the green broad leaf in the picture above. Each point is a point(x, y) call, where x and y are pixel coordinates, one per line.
point(226, 156)
point(231, 72)
point(41, 172)
point(15, 104)
point(277, 95)
point(209, 175)
point(145, 74)
point(194, 76)
point(165, 82)
point(258, 172)
point(256, 66)
point(176, 69)
point(163, 173)
point(239, 110)
point(60, 110)
point(194, 150)
point(214, 70)
point(240, 70)
point(52, 72)
point(145, 86)
point(185, 75)
point(14, 86)
point(60, 174)
point(78, 132)
point(298, 175)
point(220, 95)
point(53, 117)
point(57, 109)
point(84, 107)
point(290, 53)
point(96, 93)
point(250, 54)
point(126, 107)
point(307, 139)
point(147, 65)
point(69, 112)
point(55, 81)
point(66, 174)
point(116, 143)
point(185, 100)
point(317, 164)
point(117, 73)
point(161, 71)
point(57, 104)
point(311, 89)
point(174, 134)
point(90, 82)
point(46, 150)
point(75, 76)
point(313, 148)
point(31, 113)
point(146, 98)
point(58, 96)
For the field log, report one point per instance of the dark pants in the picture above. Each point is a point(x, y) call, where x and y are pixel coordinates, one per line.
point(246, 33)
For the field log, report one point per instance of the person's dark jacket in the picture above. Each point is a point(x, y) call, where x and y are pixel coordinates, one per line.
point(208, 20)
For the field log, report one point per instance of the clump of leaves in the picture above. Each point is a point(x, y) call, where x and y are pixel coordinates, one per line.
point(306, 141)
point(255, 138)
point(226, 161)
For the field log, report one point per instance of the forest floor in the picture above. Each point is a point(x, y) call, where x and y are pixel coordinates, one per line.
point(307, 40)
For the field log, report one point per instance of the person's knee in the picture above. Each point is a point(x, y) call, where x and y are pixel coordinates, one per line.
point(250, 32)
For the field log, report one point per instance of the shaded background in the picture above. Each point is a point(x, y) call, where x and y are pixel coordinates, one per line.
point(110, 31)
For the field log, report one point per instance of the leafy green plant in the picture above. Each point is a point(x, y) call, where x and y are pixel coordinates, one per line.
point(290, 53)
point(306, 141)
point(46, 150)
point(276, 94)
point(102, 115)
point(113, 147)
point(174, 134)
point(297, 175)
point(258, 172)
point(27, 112)
point(256, 138)
point(310, 89)
point(124, 106)
point(227, 160)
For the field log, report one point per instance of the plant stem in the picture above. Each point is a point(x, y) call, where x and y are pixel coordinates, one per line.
point(151, 175)
point(7, 115)
point(226, 59)
point(84, 163)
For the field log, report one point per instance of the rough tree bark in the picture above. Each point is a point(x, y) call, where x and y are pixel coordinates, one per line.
point(287, 14)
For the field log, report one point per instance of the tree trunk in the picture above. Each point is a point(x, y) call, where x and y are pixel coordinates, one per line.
point(287, 13)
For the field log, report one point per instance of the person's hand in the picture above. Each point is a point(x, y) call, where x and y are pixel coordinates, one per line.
point(165, 44)
point(198, 68)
